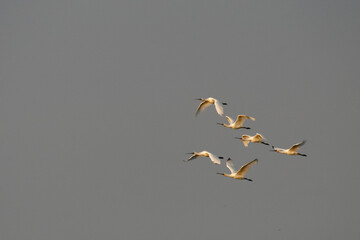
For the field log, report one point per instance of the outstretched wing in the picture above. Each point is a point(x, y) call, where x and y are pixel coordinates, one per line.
point(230, 165)
point(241, 119)
point(246, 143)
point(295, 147)
point(214, 158)
point(246, 168)
point(219, 108)
point(202, 107)
point(258, 137)
point(245, 137)
point(229, 119)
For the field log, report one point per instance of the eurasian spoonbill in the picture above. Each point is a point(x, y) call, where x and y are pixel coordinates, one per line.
point(238, 123)
point(257, 138)
point(291, 151)
point(212, 157)
point(207, 102)
point(241, 172)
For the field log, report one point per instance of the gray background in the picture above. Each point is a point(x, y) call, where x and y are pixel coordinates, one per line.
point(97, 112)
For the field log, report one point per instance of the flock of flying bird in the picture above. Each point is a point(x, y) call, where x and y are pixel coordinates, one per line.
point(246, 139)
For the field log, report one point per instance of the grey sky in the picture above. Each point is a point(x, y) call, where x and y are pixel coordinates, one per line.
point(97, 112)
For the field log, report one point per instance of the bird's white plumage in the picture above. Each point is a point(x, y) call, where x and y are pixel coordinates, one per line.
point(207, 102)
point(245, 137)
point(241, 172)
point(230, 166)
point(219, 108)
point(213, 157)
point(238, 123)
point(296, 146)
point(257, 138)
point(293, 150)
point(241, 119)
point(202, 107)
point(246, 143)
point(246, 168)
point(230, 120)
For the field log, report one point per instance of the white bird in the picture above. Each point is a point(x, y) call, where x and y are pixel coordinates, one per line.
point(291, 151)
point(212, 157)
point(257, 138)
point(238, 123)
point(207, 102)
point(241, 172)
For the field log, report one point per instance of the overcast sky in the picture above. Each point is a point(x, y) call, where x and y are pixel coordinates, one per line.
point(97, 105)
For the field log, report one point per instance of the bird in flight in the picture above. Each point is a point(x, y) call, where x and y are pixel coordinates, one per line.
point(257, 138)
point(207, 102)
point(238, 123)
point(241, 172)
point(212, 157)
point(291, 151)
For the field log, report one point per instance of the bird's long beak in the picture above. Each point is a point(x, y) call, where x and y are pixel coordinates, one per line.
point(272, 150)
point(199, 99)
point(220, 123)
point(220, 173)
point(190, 153)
